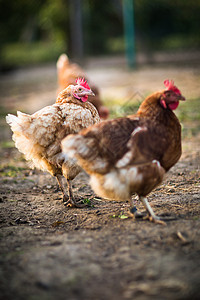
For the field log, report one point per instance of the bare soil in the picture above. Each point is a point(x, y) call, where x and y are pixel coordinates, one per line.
point(52, 252)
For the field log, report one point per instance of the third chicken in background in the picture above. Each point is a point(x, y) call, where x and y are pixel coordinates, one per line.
point(68, 72)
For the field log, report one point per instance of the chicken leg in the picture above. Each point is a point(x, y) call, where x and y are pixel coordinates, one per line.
point(134, 211)
point(68, 200)
point(151, 215)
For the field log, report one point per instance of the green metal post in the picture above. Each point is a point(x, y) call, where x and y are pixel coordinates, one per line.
point(128, 16)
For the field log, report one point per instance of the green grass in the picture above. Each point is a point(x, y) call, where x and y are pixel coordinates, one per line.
point(124, 109)
point(115, 45)
point(4, 111)
point(188, 113)
point(120, 216)
point(189, 110)
point(21, 54)
point(128, 107)
point(177, 42)
point(10, 171)
point(7, 144)
point(88, 202)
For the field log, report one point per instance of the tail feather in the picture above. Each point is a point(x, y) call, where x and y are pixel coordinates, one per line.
point(17, 123)
point(14, 122)
point(63, 60)
point(22, 115)
point(74, 146)
point(85, 152)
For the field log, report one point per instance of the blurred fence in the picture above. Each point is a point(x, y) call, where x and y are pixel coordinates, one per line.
point(38, 31)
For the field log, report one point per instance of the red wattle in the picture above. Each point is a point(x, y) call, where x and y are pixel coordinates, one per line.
point(84, 98)
point(173, 105)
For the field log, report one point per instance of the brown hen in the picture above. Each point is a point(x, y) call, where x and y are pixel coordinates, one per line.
point(131, 154)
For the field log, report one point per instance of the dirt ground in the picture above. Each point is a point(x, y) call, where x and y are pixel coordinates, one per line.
point(52, 252)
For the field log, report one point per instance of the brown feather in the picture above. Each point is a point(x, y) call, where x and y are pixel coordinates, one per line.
point(129, 154)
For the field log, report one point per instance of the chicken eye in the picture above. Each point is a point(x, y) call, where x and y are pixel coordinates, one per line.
point(167, 94)
point(80, 89)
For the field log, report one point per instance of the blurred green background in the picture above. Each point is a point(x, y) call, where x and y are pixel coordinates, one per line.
point(37, 31)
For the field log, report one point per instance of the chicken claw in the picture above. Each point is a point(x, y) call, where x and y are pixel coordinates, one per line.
point(137, 214)
point(68, 200)
point(150, 213)
point(156, 220)
point(73, 203)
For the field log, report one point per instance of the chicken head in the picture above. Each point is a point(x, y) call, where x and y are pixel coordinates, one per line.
point(171, 96)
point(81, 91)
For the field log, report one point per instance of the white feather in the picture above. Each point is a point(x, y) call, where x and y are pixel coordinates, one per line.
point(124, 161)
point(116, 184)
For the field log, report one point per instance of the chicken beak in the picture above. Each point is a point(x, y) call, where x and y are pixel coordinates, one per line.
point(180, 97)
point(90, 93)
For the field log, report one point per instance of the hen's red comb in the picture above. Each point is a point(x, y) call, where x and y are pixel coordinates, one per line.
point(83, 83)
point(170, 86)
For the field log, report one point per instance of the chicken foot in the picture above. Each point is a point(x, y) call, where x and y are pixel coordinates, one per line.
point(68, 200)
point(71, 202)
point(151, 215)
point(134, 212)
point(137, 214)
